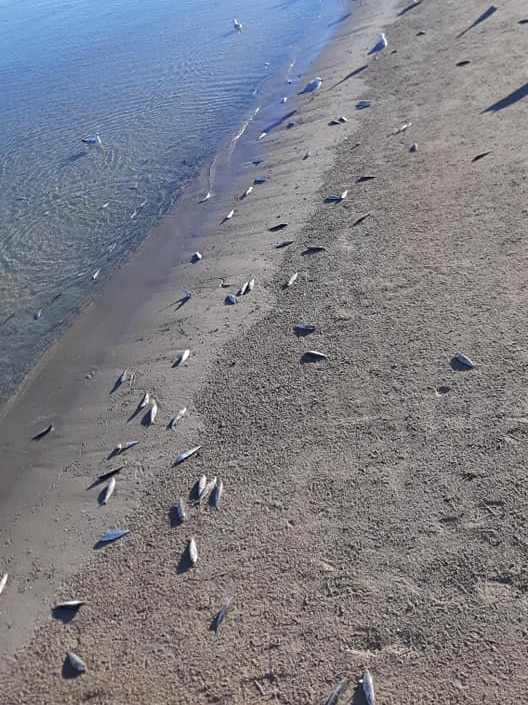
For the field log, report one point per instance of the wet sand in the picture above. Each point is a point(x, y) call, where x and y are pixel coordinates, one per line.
point(374, 503)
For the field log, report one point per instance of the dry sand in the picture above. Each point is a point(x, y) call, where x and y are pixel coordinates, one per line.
point(374, 512)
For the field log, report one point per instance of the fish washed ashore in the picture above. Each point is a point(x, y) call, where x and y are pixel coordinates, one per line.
point(371, 535)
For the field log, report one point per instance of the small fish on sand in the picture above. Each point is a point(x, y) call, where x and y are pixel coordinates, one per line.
point(153, 412)
point(175, 419)
point(3, 582)
point(105, 476)
point(216, 496)
point(361, 219)
point(109, 490)
point(284, 100)
point(314, 356)
point(402, 128)
point(380, 45)
point(413, 148)
point(276, 228)
point(69, 605)
point(307, 155)
point(186, 454)
point(243, 289)
point(180, 510)
point(362, 179)
point(144, 402)
point(251, 286)
point(229, 215)
point(247, 192)
point(207, 489)
point(291, 280)
point(464, 360)
point(259, 180)
point(182, 358)
point(304, 328)
point(221, 614)
point(205, 198)
point(262, 135)
point(43, 433)
point(192, 551)
point(76, 662)
point(37, 314)
point(363, 104)
point(230, 300)
point(202, 482)
point(121, 448)
point(122, 377)
point(368, 688)
point(334, 695)
point(113, 535)
point(197, 256)
point(96, 274)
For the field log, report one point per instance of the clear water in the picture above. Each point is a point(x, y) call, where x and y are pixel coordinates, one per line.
point(165, 83)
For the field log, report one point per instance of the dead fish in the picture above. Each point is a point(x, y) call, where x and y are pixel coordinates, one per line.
point(304, 328)
point(153, 412)
point(37, 314)
point(197, 256)
point(109, 490)
point(186, 454)
point(307, 155)
point(315, 355)
point(179, 415)
point(313, 249)
point(186, 295)
point(368, 688)
point(262, 135)
point(464, 62)
point(229, 215)
point(251, 286)
point(361, 219)
point(205, 198)
point(76, 662)
point(209, 487)
point(284, 243)
point(342, 119)
point(193, 552)
point(182, 358)
point(276, 228)
point(291, 279)
point(414, 148)
point(480, 156)
point(180, 510)
point(343, 195)
point(143, 403)
point(402, 128)
point(221, 614)
point(230, 300)
point(202, 482)
point(69, 605)
point(247, 192)
point(334, 121)
point(336, 693)
point(3, 582)
point(43, 433)
point(113, 535)
point(464, 360)
point(217, 494)
point(259, 180)
point(96, 274)
point(243, 289)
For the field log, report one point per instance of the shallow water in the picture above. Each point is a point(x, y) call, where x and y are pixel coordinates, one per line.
point(166, 84)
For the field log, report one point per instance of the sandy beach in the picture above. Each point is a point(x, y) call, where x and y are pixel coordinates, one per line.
point(374, 505)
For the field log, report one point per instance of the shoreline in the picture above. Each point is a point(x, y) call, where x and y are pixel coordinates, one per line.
point(374, 502)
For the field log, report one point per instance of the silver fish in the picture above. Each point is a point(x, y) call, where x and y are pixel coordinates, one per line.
point(368, 688)
point(209, 487)
point(37, 314)
point(3, 582)
point(344, 194)
point(217, 494)
point(291, 279)
point(114, 535)
point(122, 377)
point(243, 289)
point(43, 433)
point(251, 285)
point(336, 693)
point(230, 215)
point(193, 552)
point(182, 358)
point(70, 605)
point(464, 360)
point(304, 328)
point(76, 662)
point(96, 274)
point(186, 295)
point(205, 198)
point(186, 454)
point(222, 613)
point(247, 192)
point(178, 416)
point(413, 147)
point(316, 355)
point(180, 510)
point(128, 444)
point(153, 412)
point(342, 119)
point(202, 482)
point(144, 401)
point(197, 256)
point(109, 490)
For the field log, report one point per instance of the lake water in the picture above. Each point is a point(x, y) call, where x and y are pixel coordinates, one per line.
point(166, 83)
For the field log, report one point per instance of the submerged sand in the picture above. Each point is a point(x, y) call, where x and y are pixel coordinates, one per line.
point(374, 504)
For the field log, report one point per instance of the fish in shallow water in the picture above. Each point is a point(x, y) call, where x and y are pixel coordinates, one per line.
point(186, 454)
point(76, 662)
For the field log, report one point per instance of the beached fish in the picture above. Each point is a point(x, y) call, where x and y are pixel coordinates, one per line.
point(37, 314)
point(187, 454)
point(343, 195)
point(292, 279)
point(197, 256)
point(94, 141)
point(361, 179)
point(113, 535)
point(247, 192)
point(380, 45)
point(207, 489)
point(315, 355)
point(128, 444)
point(229, 215)
point(109, 490)
point(362, 104)
point(180, 510)
point(43, 433)
point(259, 180)
point(145, 400)
point(262, 135)
point(284, 100)
point(368, 688)
point(96, 274)
point(230, 300)
point(217, 494)
point(342, 119)
point(153, 412)
point(413, 147)
point(106, 476)
point(122, 377)
point(402, 128)
point(334, 121)
point(251, 285)
point(243, 289)
point(175, 419)
point(361, 218)
point(332, 198)
point(464, 360)
point(222, 613)
point(193, 551)
point(3, 582)
point(334, 695)
point(186, 295)
point(69, 605)
point(307, 155)
point(312, 85)
point(304, 328)
point(76, 662)
point(205, 198)
point(238, 26)
point(182, 358)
